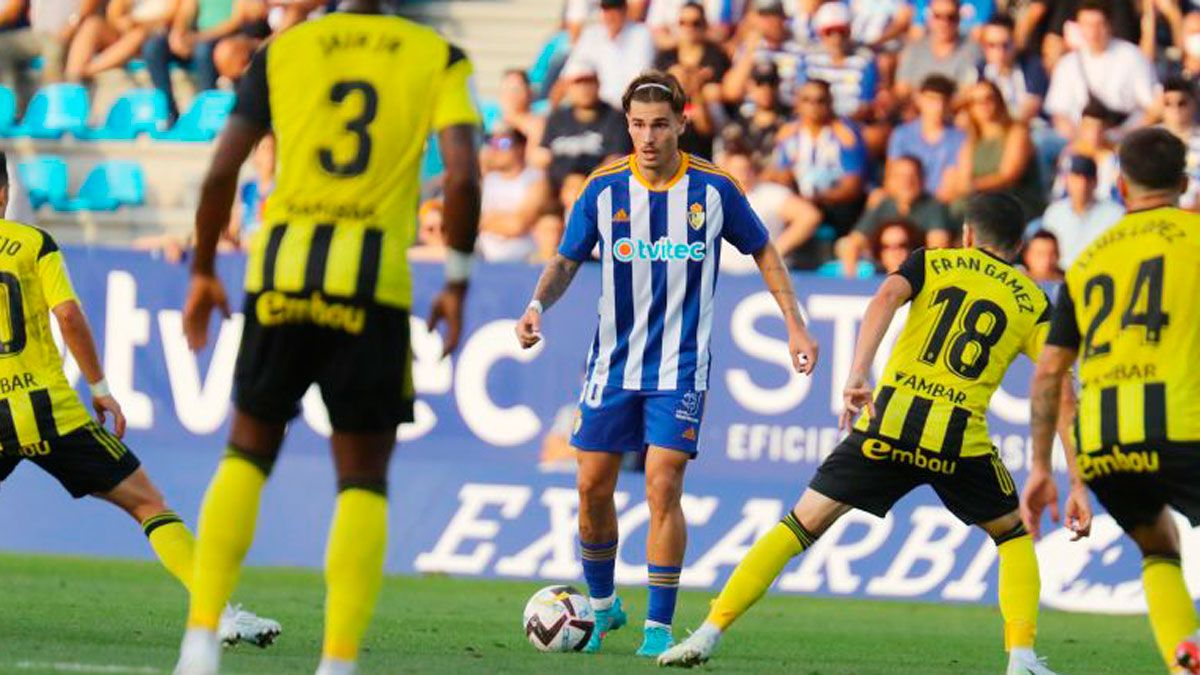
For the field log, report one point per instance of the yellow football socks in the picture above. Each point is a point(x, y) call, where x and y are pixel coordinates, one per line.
point(353, 568)
point(226, 528)
point(758, 570)
point(1172, 614)
point(173, 544)
point(1020, 586)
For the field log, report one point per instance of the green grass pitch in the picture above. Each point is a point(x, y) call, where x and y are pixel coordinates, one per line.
point(105, 616)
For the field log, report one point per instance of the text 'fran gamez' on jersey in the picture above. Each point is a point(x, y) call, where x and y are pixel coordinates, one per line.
point(352, 100)
point(659, 256)
point(36, 402)
point(970, 315)
point(1129, 306)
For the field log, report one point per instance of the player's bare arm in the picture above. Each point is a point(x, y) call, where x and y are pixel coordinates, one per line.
point(801, 345)
point(555, 281)
point(892, 294)
point(1051, 393)
point(77, 336)
point(212, 215)
point(463, 188)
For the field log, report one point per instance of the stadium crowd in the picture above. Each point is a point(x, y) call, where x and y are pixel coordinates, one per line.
point(858, 129)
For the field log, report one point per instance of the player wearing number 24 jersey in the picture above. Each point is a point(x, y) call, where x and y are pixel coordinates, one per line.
point(1128, 313)
point(971, 314)
point(352, 99)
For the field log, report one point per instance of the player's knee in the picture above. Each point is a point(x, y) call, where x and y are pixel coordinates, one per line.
point(593, 488)
point(663, 493)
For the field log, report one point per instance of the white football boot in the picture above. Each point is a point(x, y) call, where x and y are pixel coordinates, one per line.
point(1026, 662)
point(239, 625)
point(698, 648)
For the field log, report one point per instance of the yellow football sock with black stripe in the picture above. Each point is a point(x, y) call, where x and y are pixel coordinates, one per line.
point(1020, 587)
point(227, 520)
point(1172, 614)
point(173, 543)
point(353, 567)
point(759, 569)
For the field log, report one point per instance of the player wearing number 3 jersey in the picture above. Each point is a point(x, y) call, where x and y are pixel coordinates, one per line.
point(971, 314)
point(1129, 313)
point(351, 99)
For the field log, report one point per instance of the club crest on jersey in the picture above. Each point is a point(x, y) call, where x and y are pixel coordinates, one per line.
point(689, 407)
point(696, 216)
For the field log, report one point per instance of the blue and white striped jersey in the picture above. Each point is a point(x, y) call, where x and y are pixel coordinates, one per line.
point(659, 256)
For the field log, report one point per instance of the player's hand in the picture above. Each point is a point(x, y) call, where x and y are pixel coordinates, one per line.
point(803, 349)
point(529, 328)
point(106, 405)
point(1040, 493)
point(856, 396)
point(205, 293)
point(1079, 512)
point(448, 307)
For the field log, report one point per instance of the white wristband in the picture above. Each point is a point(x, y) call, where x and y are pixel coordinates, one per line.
point(100, 389)
point(535, 305)
point(458, 266)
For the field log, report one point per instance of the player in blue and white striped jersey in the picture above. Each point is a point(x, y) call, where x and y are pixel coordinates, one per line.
point(657, 218)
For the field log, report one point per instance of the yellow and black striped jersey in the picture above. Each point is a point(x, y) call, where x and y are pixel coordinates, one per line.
point(36, 402)
point(1134, 293)
point(970, 315)
point(351, 99)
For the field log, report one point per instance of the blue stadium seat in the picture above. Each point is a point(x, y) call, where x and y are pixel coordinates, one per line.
point(832, 269)
point(44, 180)
point(490, 111)
point(203, 121)
point(109, 186)
point(55, 110)
point(431, 161)
point(137, 111)
point(8, 111)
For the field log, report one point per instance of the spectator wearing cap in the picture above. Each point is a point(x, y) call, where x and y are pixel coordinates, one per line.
point(850, 72)
point(1091, 140)
point(767, 39)
point(579, 136)
point(931, 138)
point(789, 219)
point(824, 157)
point(617, 48)
point(699, 65)
point(1021, 79)
point(1077, 219)
point(509, 202)
point(757, 122)
point(1041, 258)
point(940, 52)
point(723, 18)
point(902, 197)
point(1179, 117)
point(1103, 69)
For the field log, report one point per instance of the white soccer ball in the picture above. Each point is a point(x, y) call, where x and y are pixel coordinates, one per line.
point(559, 619)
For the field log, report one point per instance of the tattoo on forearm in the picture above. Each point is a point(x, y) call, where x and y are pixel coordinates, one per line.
point(555, 280)
point(1044, 408)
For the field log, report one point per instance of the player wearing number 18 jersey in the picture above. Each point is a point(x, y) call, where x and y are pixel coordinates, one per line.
point(1128, 311)
point(351, 99)
point(971, 314)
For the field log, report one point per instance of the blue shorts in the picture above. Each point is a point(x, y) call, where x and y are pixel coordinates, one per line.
point(611, 419)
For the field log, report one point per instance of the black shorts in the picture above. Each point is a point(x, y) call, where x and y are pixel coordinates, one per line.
point(86, 461)
point(358, 353)
point(1135, 482)
point(872, 474)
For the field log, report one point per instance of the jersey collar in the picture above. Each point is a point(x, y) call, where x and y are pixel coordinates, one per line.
point(637, 174)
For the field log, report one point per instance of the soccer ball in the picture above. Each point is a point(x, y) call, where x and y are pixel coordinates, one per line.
point(1187, 655)
point(559, 619)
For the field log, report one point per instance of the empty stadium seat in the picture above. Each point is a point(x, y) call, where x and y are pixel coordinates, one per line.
point(44, 180)
point(138, 111)
point(8, 111)
point(55, 110)
point(109, 186)
point(203, 121)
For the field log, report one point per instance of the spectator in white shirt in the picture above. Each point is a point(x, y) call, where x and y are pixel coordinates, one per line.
point(618, 48)
point(1109, 70)
point(1080, 217)
point(509, 205)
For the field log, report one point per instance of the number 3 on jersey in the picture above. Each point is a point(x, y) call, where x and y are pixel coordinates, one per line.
point(341, 93)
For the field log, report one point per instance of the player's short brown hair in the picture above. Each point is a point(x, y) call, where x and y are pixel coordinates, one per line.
point(655, 86)
point(1153, 158)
